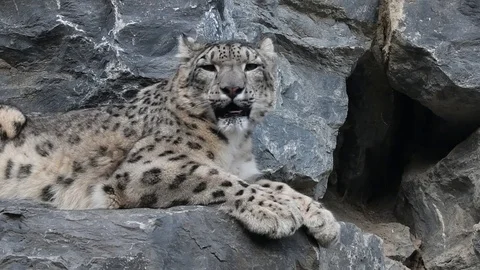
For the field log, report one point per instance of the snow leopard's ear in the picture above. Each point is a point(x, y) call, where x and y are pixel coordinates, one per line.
point(266, 48)
point(188, 47)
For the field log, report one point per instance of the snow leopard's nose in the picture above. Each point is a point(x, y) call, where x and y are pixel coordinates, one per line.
point(232, 92)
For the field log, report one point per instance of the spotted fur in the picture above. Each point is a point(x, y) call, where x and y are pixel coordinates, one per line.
point(11, 122)
point(182, 141)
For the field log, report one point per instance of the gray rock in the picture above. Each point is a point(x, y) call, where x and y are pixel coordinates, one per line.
point(394, 265)
point(356, 250)
point(397, 244)
point(195, 237)
point(296, 142)
point(440, 203)
point(59, 55)
point(432, 52)
point(358, 14)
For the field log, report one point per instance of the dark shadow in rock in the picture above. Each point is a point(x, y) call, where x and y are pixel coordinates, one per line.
point(366, 165)
point(385, 131)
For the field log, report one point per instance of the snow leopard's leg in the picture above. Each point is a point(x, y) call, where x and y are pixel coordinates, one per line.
point(319, 221)
point(161, 178)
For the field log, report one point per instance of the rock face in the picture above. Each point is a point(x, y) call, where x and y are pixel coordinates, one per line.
point(441, 203)
point(37, 237)
point(363, 251)
point(433, 54)
point(397, 244)
point(319, 46)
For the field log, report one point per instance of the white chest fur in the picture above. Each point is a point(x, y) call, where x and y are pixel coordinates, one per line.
point(237, 158)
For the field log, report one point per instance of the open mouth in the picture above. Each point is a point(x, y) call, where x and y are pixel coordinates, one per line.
point(232, 110)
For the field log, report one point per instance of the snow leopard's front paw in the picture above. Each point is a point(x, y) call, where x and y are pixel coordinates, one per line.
point(321, 224)
point(272, 215)
point(319, 221)
point(11, 122)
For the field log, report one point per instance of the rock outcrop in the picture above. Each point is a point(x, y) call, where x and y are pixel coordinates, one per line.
point(432, 54)
point(38, 237)
point(441, 203)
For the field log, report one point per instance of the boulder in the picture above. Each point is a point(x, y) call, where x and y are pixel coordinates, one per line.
point(397, 244)
point(440, 202)
point(356, 249)
point(319, 44)
point(431, 49)
point(192, 237)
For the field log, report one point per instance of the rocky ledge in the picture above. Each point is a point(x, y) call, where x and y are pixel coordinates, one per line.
point(36, 236)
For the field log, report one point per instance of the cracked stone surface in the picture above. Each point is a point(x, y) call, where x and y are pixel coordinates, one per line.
point(38, 237)
point(440, 202)
point(433, 55)
point(397, 244)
